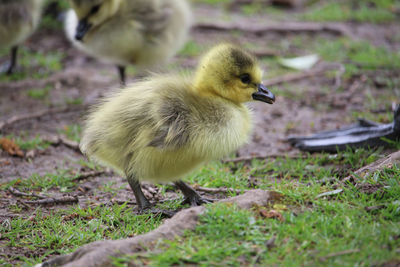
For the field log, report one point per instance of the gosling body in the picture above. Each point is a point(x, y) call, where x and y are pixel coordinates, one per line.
point(160, 133)
point(124, 32)
point(18, 20)
point(164, 127)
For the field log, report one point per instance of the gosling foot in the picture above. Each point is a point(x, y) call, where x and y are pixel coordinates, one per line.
point(191, 196)
point(7, 69)
point(196, 200)
point(155, 211)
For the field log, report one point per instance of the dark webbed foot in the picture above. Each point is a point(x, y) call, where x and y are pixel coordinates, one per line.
point(363, 134)
point(191, 196)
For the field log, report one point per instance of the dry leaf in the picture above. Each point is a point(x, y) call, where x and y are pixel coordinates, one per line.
point(10, 147)
point(272, 214)
point(299, 63)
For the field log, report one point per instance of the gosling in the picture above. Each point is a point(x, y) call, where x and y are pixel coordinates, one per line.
point(123, 32)
point(162, 128)
point(18, 20)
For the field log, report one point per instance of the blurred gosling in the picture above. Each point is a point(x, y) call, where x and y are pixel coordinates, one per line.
point(164, 127)
point(18, 20)
point(123, 32)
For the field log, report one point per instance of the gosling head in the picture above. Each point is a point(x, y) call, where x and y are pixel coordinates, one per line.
point(230, 72)
point(92, 13)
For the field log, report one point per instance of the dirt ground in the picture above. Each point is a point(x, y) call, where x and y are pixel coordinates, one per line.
point(85, 79)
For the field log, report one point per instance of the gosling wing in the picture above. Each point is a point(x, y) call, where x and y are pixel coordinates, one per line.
point(153, 19)
point(172, 129)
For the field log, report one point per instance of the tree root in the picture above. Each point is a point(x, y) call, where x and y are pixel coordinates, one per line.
point(380, 164)
point(100, 253)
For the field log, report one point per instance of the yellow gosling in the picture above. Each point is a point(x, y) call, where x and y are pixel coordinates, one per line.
point(123, 32)
point(164, 127)
point(18, 20)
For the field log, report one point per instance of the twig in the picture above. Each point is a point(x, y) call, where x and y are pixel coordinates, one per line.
point(284, 27)
point(23, 204)
point(330, 193)
point(18, 193)
point(36, 115)
point(43, 199)
point(340, 253)
point(53, 200)
point(69, 143)
point(219, 190)
point(86, 175)
point(294, 77)
point(56, 140)
point(120, 202)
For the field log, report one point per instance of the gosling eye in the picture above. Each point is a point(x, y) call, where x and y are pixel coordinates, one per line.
point(94, 9)
point(245, 78)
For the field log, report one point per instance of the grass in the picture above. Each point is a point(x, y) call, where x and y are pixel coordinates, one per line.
point(313, 227)
point(40, 93)
point(313, 230)
point(357, 55)
point(62, 231)
point(34, 64)
point(25, 143)
point(52, 18)
point(228, 236)
point(72, 132)
point(378, 11)
point(191, 49)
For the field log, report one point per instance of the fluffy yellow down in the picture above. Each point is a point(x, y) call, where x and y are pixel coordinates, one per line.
point(162, 128)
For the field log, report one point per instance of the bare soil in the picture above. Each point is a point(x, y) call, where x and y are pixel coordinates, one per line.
point(90, 79)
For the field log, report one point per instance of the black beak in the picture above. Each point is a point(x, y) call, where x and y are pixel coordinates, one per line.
point(82, 29)
point(264, 94)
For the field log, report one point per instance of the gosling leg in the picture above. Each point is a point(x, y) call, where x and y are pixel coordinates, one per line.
point(13, 63)
point(9, 68)
point(191, 196)
point(121, 72)
point(141, 200)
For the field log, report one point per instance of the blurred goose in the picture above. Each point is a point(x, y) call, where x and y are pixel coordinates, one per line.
point(141, 32)
point(18, 20)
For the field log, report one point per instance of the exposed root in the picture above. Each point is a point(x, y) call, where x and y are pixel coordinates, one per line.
point(101, 253)
point(18, 193)
point(54, 200)
point(282, 27)
point(56, 140)
point(366, 171)
point(43, 200)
